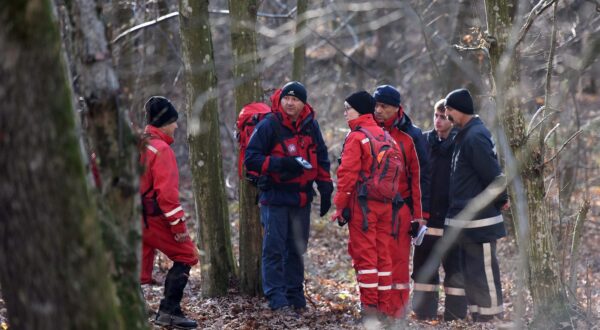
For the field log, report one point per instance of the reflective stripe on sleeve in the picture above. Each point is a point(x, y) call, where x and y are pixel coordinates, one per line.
point(173, 223)
point(474, 223)
point(172, 212)
point(367, 271)
point(384, 287)
point(384, 273)
point(151, 148)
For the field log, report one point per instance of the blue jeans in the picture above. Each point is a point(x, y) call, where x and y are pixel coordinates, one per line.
point(286, 230)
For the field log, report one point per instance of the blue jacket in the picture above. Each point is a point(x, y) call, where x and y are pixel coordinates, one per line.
point(276, 137)
point(474, 167)
point(440, 156)
point(405, 125)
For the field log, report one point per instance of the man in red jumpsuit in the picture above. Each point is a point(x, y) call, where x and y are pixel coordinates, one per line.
point(390, 115)
point(164, 222)
point(368, 248)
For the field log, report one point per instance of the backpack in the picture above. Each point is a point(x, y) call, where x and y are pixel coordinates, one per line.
point(248, 118)
point(382, 182)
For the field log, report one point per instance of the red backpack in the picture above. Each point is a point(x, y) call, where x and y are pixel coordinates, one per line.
point(248, 118)
point(382, 182)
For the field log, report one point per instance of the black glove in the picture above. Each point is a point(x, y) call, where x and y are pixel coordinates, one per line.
point(414, 229)
point(325, 204)
point(345, 217)
point(290, 169)
point(264, 183)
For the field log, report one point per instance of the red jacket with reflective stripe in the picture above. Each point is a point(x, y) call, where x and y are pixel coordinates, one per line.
point(409, 151)
point(356, 157)
point(160, 173)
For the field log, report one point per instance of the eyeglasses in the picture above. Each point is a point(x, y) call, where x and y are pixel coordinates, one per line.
point(347, 108)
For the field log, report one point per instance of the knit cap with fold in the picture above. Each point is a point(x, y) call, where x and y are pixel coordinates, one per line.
point(362, 102)
point(461, 100)
point(160, 111)
point(294, 88)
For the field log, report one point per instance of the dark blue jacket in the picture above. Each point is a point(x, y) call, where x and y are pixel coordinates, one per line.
point(405, 125)
point(474, 167)
point(440, 157)
point(276, 137)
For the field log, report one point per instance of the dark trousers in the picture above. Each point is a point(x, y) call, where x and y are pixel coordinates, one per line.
point(425, 291)
point(286, 230)
point(482, 280)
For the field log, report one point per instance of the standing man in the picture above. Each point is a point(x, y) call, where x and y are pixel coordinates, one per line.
point(390, 115)
point(288, 152)
point(164, 219)
point(474, 168)
point(440, 143)
point(370, 223)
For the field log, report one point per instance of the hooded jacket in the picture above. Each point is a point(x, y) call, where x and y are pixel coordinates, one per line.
point(276, 137)
point(161, 177)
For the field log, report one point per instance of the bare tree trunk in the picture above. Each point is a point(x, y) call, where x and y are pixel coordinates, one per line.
point(300, 44)
point(247, 89)
point(205, 148)
point(54, 271)
point(544, 278)
point(110, 137)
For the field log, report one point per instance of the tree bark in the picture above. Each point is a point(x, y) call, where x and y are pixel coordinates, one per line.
point(55, 274)
point(300, 43)
point(205, 148)
point(546, 289)
point(247, 89)
point(111, 138)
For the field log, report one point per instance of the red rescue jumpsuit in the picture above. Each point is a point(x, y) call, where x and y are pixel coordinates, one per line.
point(161, 177)
point(410, 188)
point(369, 250)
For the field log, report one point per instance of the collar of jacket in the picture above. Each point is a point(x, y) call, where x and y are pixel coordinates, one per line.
point(439, 145)
point(158, 134)
point(305, 116)
point(363, 121)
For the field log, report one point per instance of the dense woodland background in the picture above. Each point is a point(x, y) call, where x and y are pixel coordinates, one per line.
point(75, 75)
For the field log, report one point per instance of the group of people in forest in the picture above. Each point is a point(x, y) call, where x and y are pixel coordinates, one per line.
point(394, 182)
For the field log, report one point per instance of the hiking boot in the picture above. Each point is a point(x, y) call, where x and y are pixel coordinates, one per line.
point(177, 321)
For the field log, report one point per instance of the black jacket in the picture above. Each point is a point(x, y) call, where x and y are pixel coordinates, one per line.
point(474, 167)
point(406, 126)
point(440, 157)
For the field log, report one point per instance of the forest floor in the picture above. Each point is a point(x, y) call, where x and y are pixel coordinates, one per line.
point(332, 296)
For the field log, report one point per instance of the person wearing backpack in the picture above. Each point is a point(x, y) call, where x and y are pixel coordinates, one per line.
point(288, 153)
point(371, 225)
point(414, 188)
point(440, 143)
point(164, 226)
point(474, 170)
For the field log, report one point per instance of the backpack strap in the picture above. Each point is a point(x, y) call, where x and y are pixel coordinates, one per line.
point(275, 122)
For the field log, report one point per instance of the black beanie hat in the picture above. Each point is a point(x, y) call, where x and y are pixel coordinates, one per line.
point(387, 94)
point(160, 111)
point(294, 88)
point(362, 102)
point(460, 99)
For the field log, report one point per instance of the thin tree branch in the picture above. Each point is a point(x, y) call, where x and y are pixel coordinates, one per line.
point(168, 16)
point(536, 11)
point(561, 148)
